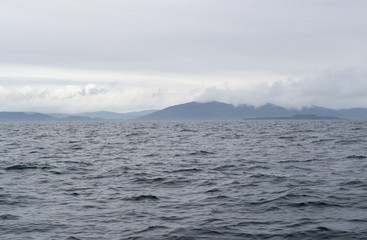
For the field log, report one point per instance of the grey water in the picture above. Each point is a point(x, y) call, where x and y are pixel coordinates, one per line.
point(184, 180)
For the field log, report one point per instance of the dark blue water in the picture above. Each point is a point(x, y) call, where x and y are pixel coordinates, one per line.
point(184, 180)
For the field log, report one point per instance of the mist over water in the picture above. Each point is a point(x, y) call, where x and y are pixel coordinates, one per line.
point(184, 180)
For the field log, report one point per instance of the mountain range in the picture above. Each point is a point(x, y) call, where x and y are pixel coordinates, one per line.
point(198, 111)
point(88, 116)
point(223, 111)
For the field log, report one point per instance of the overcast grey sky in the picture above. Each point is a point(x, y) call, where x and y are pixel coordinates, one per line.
point(125, 55)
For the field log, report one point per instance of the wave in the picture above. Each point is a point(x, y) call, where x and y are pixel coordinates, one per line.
point(27, 166)
point(202, 152)
point(356, 156)
point(143, 197)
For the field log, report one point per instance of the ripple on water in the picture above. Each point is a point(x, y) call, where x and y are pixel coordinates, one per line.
point(183, 180)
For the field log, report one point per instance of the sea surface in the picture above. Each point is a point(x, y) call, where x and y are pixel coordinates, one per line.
point(184, 180)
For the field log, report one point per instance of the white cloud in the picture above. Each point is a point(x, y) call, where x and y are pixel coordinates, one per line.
point(40, 88)
point(88, 97)
point(330, 88)
point(72, 91)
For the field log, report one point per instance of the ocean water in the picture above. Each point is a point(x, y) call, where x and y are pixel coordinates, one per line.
point(184, 180)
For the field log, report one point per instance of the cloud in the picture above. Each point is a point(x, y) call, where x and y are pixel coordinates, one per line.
point(73, 91)
point(184, 36)
point(330, 88)
point(88, 97)
point(46, 89)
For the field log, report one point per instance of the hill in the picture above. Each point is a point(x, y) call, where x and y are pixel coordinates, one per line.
point(81, 117)
point(223, 111)
point(198, 111)
point(21, 116)
point(38, 117)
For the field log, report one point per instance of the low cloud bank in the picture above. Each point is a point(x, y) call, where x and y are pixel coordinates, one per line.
point(82, 98)
point(330, 88)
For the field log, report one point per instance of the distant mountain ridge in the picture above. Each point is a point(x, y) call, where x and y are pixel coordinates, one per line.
point(81, 117)
point(198, 111)
point(22, 116)
point(105, 115)
point(115, 116)
point(38, 117)
point(223, 111)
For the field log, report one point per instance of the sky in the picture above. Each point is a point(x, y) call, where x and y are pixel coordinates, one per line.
point(72, 56)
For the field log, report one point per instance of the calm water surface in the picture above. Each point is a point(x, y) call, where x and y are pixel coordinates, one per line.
point(184, 180)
